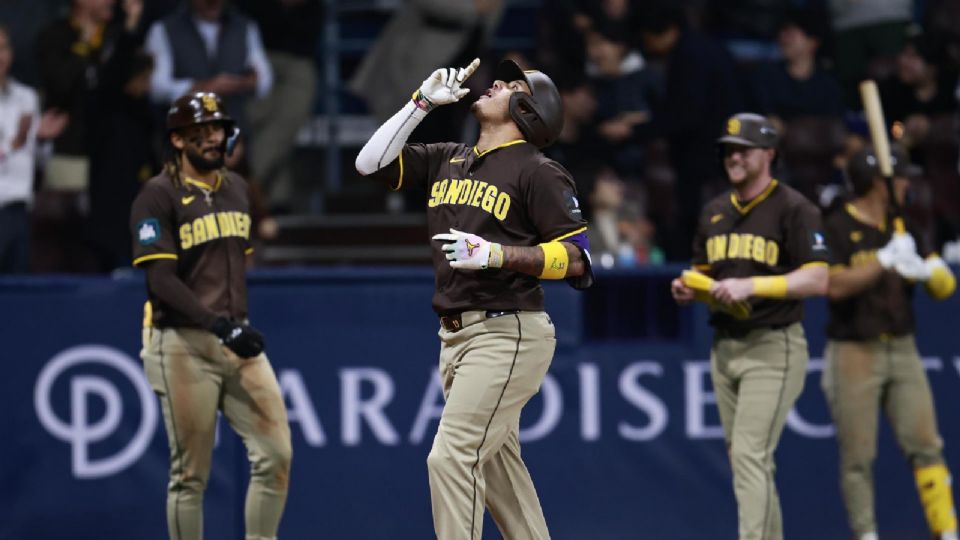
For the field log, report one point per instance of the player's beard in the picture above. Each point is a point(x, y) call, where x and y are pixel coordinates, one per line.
point(202, 163)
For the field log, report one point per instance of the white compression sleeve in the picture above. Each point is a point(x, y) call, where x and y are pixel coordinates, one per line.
point(385, 144)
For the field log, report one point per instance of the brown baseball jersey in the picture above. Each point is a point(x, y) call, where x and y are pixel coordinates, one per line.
point(884, 308)
point(207, 231)
point(511, 194)
point(773, 234)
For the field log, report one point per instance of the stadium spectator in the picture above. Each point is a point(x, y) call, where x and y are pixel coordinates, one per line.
point(701, 92)
point(19, 120)
point(421, 36)
point(921, 89)
point(290, 30)
point(805, 103)
point(626, 91)
point(72, 52)
point(797, 86)
point(207, 46)
point(867, 36)
point(621, 236)
point(122, 156)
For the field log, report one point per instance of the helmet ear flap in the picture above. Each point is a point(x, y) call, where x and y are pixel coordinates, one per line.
point(524, 111)
point(233, 137)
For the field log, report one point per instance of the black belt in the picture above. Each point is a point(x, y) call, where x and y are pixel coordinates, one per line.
point(454, 322)
point(740, 333)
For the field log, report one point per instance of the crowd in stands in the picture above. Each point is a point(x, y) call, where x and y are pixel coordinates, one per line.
point(647, 86)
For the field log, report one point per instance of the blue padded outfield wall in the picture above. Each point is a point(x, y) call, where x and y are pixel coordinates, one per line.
point(623, 441)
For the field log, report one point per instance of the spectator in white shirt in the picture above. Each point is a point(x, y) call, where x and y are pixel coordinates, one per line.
point(207, 46)
point(19, 120)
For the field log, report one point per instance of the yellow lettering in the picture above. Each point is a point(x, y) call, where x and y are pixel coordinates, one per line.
point(199, 231)
point(720, 248)
point(489, 196)
point(746, 243)
point(186, 238)
point(758, 247)
point(453, 191)
point(773, 253)
point(467, 186)
point(502, 207)
point(210, 222)
point(477, 193)
point(226, 224)
point(734, 245)
point(437, 192)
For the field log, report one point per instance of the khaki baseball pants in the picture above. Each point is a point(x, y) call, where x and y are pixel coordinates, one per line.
point(195, 376)
point(757, 377)
point(489, 370)
point(859, 379)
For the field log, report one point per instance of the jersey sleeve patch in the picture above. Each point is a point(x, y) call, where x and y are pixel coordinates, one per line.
point(148, 231)
point(818, 243)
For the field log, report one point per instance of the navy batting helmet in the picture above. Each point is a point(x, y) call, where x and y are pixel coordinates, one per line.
point(539, 115)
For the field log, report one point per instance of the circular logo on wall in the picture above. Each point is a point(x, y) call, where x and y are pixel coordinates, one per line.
point(79, 430)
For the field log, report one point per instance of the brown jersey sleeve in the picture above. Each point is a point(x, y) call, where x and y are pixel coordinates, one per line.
point(152, 223)
point(837, 232)
point(416, 165)
point(805, 240)
point(552, 203)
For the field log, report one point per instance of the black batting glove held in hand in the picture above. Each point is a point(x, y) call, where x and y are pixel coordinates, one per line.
point(239, 338)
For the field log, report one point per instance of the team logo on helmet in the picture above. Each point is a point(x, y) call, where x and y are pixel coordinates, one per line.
point(209, 103)
point(733, 126)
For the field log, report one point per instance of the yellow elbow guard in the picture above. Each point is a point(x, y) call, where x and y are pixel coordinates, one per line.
point(942, 282)
point(556, 261)
point(770, 286)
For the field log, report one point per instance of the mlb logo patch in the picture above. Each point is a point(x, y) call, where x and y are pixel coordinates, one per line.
point(573, 204)
point(818, 242)
point(148, 231)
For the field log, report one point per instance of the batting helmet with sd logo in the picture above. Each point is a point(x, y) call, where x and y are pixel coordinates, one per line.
point(202, 108)
point(539, 114)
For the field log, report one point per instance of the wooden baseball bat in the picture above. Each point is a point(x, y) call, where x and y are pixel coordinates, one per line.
point(881, 145)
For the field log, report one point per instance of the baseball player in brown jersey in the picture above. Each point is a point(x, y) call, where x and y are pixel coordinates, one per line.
point(871, 355)
point(761, 243)
point(191, 230)
point(502, 217)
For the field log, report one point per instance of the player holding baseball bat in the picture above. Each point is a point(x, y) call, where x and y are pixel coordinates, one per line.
point(871, 355)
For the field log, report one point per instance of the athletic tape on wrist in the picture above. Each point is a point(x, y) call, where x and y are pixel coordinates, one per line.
point(422, 102)
point(770, 286)
point(556, 261)
point(495, 260)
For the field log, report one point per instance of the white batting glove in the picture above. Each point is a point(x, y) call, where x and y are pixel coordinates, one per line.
point(901, 245)
point(911, 266)
point(467, 251)
point(443, 86)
